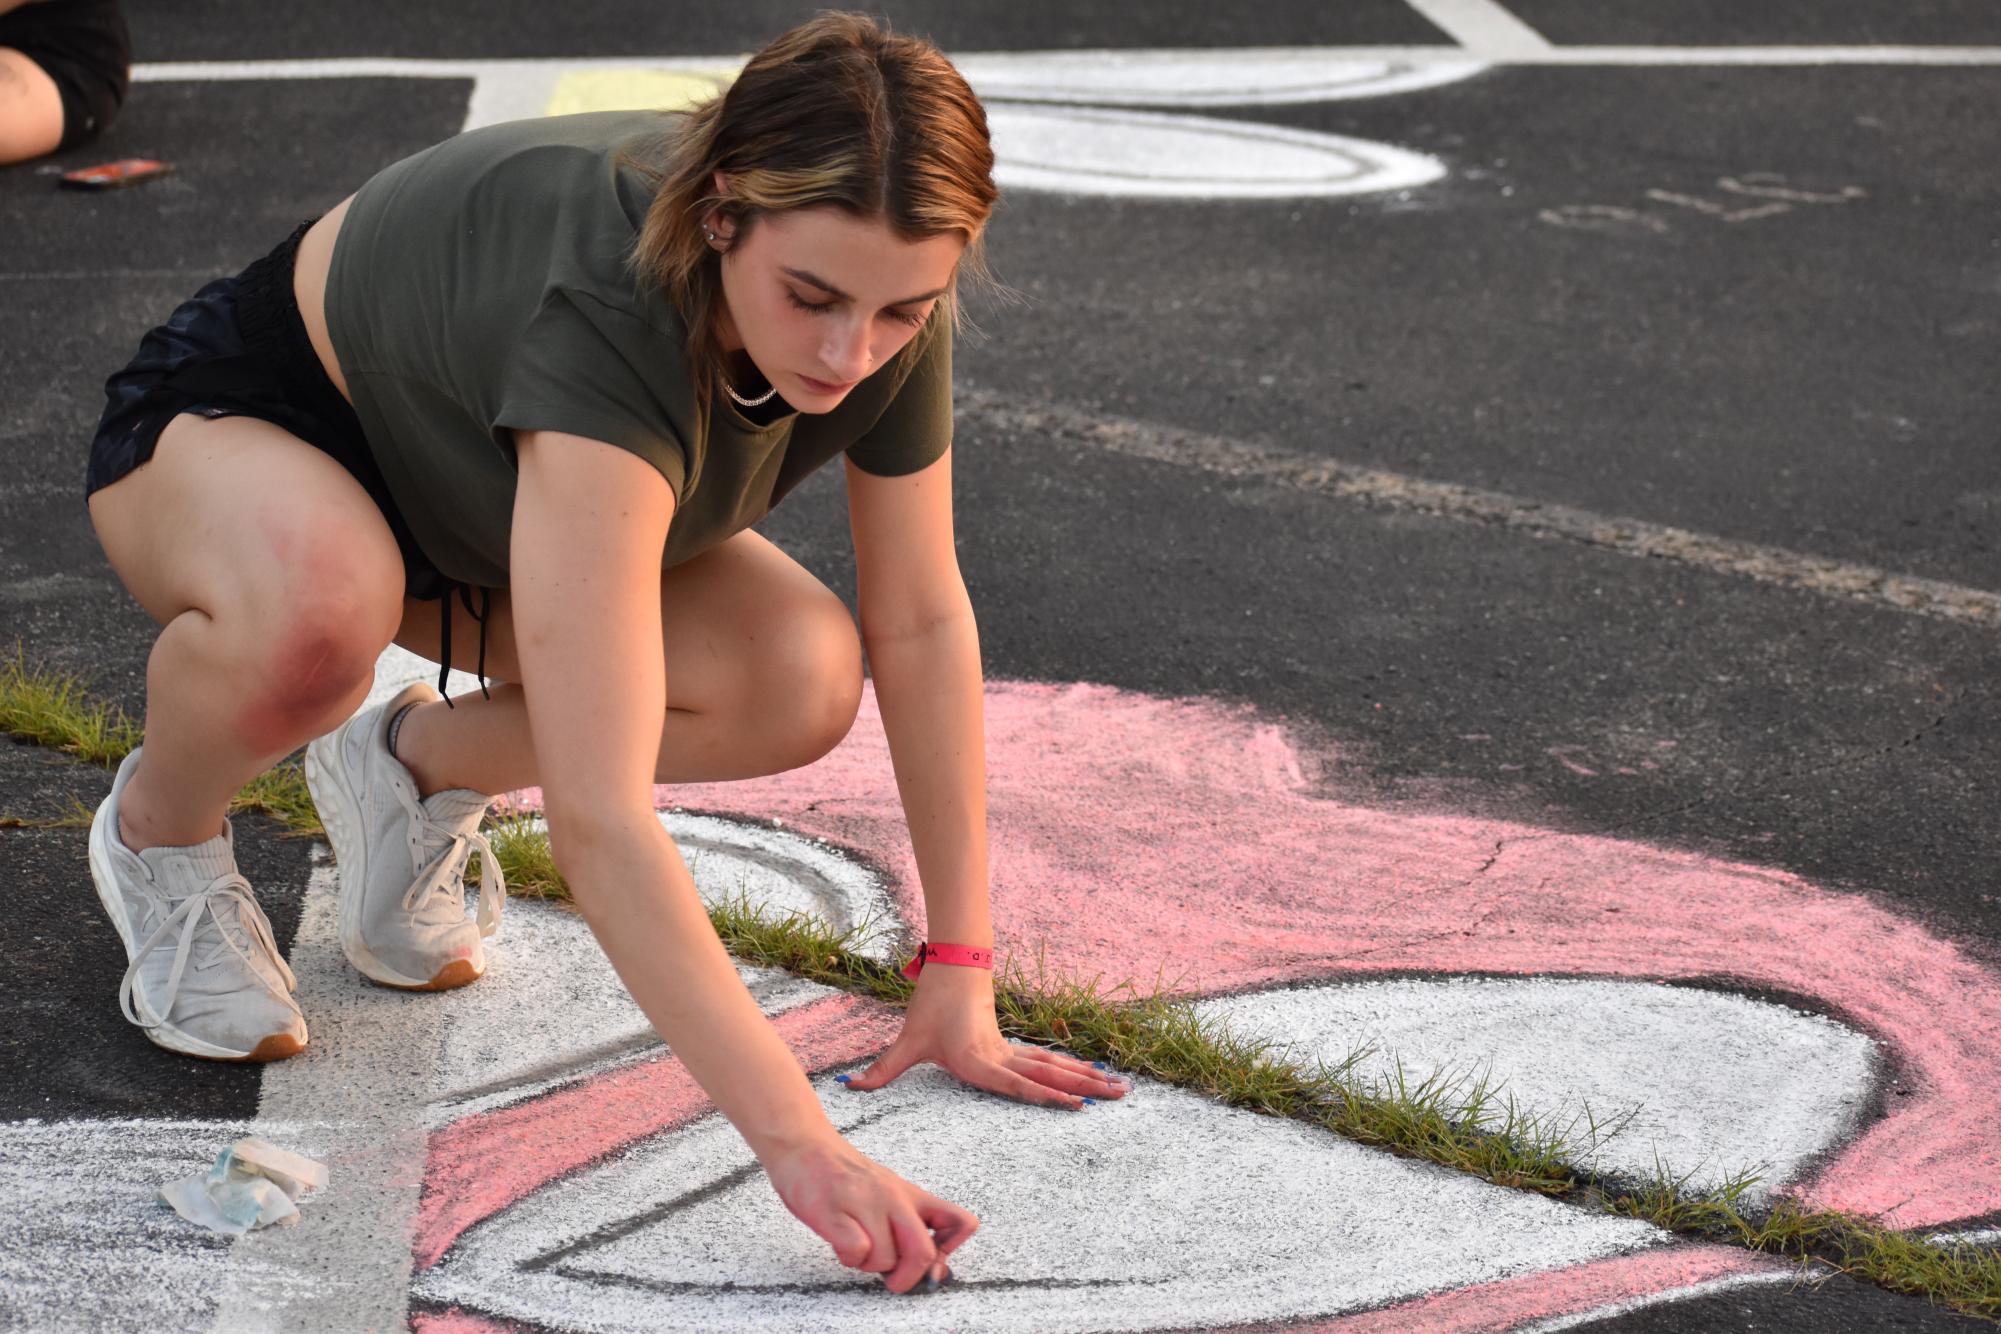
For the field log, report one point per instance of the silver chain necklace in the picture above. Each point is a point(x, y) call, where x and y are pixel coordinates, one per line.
point(737, 398)
point(743, 402)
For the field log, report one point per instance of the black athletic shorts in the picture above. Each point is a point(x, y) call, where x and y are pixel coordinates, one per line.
point(239, 348)
point(84, 46)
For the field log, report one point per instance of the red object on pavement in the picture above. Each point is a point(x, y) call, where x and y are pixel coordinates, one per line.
point(116, 175)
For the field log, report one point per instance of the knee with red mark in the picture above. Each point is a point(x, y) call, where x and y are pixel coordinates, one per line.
point(316, 673)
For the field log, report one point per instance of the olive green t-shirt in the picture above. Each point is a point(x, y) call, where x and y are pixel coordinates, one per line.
point(481, 287)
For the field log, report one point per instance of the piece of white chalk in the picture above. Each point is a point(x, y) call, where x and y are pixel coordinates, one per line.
point(253, 1184)
point(294, 1172)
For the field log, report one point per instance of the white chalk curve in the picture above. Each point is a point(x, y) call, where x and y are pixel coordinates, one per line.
point(1702, 1082)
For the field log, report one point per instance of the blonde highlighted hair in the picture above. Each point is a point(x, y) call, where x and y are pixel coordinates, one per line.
point(835, 111)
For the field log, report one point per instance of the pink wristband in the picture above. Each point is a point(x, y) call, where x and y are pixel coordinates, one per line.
point(970, 956)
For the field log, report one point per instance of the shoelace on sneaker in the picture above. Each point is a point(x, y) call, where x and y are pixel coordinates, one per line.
point(229, 891)
point(443, 873)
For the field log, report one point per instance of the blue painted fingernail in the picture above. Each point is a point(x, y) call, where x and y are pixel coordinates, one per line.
point(1090, 1102)
point(842, 1079)
point(1099, 1065)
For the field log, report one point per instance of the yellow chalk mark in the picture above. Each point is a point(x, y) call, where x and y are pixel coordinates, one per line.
point(635, 89)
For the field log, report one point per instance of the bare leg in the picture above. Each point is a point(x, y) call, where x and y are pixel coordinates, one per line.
point(277, 582)
point(204, 738)
point(763, 675)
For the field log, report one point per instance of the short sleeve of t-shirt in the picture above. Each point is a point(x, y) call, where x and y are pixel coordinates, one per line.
point(916, 428)
point(571, 372)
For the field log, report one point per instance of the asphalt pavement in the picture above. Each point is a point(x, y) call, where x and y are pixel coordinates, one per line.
point(1706, 346)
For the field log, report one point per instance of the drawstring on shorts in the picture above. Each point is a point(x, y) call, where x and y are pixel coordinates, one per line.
point(445, 634)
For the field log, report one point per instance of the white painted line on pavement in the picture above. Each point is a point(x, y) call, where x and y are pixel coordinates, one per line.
point(1825, 576)
point(1021, 62)
point(1484, 28)
point(354, 1099)
point(1759, 55)
point(1254, 76)
point(397, 67)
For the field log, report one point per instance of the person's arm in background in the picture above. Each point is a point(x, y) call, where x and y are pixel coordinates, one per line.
point(590, 523)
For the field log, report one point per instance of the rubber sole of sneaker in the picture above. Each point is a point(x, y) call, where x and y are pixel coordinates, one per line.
point(342, 817)
point(277, 1047)
point(274, 1047)
point(457, 973)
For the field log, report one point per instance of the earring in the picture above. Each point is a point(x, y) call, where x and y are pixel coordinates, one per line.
point(710, 233)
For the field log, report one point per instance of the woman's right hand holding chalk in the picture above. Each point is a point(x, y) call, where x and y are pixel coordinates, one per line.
point(873, 1218)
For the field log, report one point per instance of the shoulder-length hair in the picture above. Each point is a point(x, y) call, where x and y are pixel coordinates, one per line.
point(835, 111)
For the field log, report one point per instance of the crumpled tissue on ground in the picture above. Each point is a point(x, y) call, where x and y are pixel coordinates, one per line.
point(253, 1184)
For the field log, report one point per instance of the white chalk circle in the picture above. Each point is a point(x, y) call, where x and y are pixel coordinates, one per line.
point(1162, 1211)
point(551, 1011)
point(1249, 76)
point(779, 873)
point(1714, 1082)
point(1080, 150)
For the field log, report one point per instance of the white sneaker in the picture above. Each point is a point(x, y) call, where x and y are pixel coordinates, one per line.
point(402, 860)
point(204, 977)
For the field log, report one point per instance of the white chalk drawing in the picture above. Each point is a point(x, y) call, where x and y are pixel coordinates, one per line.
point(1102, 1220)
point(1060, 122)
point(1106, 1219)
point(630, 1243)
point(551, 1011)
point(1632, 1073)
point(1082, 150)
point(1779, 198)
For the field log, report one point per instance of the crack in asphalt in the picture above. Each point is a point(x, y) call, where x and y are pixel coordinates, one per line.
point(1481, 919)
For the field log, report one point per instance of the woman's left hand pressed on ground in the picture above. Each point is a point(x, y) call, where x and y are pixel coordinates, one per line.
point(951, 1023)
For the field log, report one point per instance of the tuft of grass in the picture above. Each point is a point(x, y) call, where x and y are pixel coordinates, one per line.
point(52, 708)
point(78, 817)
point(1460, 1122)
point(281, 793)
point(522, 849)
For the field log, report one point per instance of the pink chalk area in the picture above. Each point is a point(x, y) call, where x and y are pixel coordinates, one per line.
point(1131, 834)
point(456, 1321)
point(1511, 1303)
point(481, 1164)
